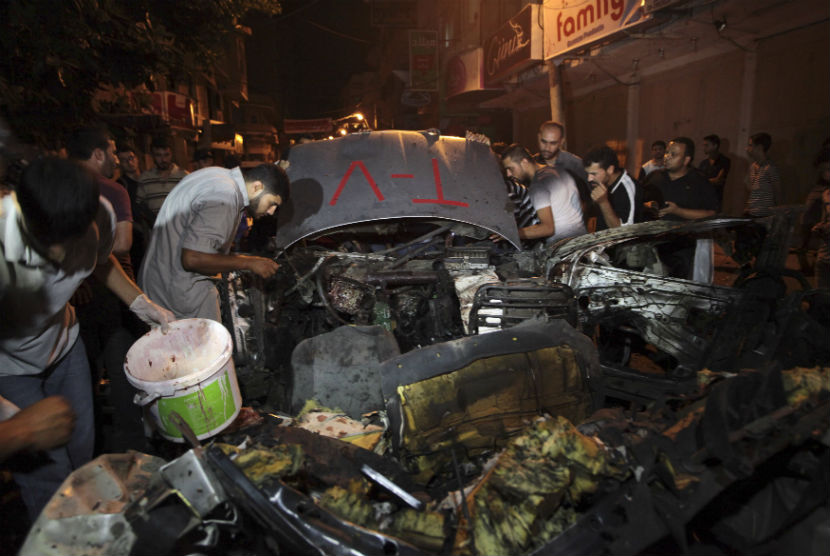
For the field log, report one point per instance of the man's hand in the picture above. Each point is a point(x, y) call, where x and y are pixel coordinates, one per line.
point(46, 424)
point(214, 263)
point(477, 137)
point(668, 208)
point(152, 313)
point(262, 267)
point(598, 192)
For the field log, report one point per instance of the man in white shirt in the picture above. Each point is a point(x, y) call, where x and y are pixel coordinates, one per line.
point(554, 196)
point(658, 153)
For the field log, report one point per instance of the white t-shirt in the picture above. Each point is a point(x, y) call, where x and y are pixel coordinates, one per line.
point(558, 191)
point(37, 323)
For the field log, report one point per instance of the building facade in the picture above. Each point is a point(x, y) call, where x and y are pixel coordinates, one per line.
point(622, 73)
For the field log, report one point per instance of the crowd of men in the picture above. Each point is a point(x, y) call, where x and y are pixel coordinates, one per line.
point(572, 195)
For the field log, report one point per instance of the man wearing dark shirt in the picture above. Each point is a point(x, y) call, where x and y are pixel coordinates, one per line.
point(613, 191)
point(686, 195)
point(129, 169)
point(142, 217)
point(715, 167)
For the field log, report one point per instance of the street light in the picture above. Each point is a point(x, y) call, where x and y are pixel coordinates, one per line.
point(356, 116)
point(351, 123)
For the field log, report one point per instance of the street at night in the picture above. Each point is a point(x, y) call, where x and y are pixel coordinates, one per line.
point(415, 277)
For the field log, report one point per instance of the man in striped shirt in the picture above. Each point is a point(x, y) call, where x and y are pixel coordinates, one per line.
point(156, 183)
point(764, 180)
point(554, 196)
point(523, 210)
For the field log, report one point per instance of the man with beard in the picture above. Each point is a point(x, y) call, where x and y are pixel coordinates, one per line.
point(156, 183)
point(684, 194)
point(612, 189)
point(553, 194)
point(551, 137)
point(94, 148)
point(103, 323)
point(195, 228)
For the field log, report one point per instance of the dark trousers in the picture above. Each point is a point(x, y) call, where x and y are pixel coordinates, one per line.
point(107, 336)
point(40, 476)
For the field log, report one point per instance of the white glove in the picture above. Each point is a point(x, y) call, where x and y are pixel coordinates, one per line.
point(152, 313)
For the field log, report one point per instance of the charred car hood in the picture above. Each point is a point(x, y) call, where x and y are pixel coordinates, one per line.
point(385, 175)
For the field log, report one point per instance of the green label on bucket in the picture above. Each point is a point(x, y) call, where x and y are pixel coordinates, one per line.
point(204, 410)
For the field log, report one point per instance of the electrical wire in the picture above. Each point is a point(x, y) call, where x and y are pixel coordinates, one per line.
point(424, 237)
point(612, 76)
point(415, 252)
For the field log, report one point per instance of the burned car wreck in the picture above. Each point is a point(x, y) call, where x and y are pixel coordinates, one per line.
point(654, 331)
point(474, 398)
point(391, 229)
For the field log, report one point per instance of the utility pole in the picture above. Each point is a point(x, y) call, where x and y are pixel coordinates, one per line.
point(557, 102)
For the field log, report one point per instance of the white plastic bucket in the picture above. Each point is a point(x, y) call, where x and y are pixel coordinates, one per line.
point(190, 371)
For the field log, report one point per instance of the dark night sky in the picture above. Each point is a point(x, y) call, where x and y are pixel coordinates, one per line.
point(305, 57)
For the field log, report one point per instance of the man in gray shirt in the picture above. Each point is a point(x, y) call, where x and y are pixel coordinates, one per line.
point(551, 137)
point(195, 228)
